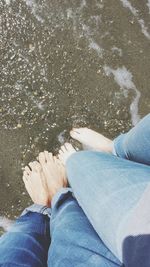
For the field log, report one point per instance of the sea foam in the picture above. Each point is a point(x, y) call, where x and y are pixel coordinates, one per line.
point(123, 78)
point(135, 13)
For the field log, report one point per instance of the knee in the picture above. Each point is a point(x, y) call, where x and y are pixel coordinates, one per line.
point(85, 157)
point(81, 165)
point(76, 159)
point(76, 167)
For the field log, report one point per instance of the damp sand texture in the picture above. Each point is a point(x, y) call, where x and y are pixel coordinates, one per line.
point(63, 64)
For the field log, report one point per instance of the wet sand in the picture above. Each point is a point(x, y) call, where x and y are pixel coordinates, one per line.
point(67, 64)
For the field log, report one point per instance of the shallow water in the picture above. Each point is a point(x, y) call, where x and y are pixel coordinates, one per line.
point(67, 63)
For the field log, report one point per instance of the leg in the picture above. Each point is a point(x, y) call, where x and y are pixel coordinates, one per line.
point(27, 242)
point(107, 189)
point(135, 145)
point(73, 240)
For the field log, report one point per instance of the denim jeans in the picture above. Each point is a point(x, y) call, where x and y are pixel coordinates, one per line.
point(85, 227)
point(73, 240)
point(108, 188)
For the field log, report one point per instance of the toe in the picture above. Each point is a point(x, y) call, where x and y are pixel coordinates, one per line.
point(36, 166)
point(61, 158)
point(80, 134)
point(46, 156)
point(76, 133)
point(25, 178)
point(76, 130)
point(60, 153)
point(63, 149)
point(31, 165)
point(51, 157)
point(42, 159)
point(69, 147)
point(27, 185)
point(55, 159)
point(25, 174)
point(79, 130)
point(27, 169)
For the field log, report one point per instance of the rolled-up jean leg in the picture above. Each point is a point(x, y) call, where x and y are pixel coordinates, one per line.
point(135, 145)
point(27, 241)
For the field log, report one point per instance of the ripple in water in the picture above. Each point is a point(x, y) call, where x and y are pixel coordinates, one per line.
point(135, 13)
point(34, 9)
point(148, 4)
point(123, 78)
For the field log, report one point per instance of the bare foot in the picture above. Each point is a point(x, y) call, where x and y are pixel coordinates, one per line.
point(54, 172)
point(65, 152)
point(92, 140)
point(35, 184)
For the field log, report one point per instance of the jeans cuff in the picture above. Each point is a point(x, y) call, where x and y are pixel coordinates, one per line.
point(39, 209)
point(114, 150)
point(60, 195)
point(119, 147)
point(45, 210)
